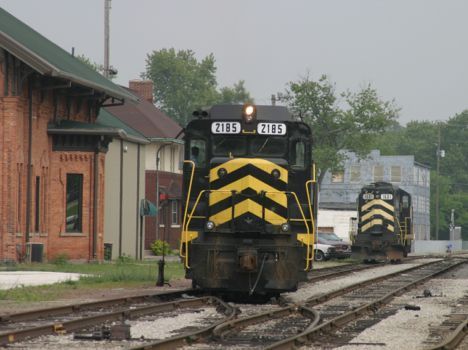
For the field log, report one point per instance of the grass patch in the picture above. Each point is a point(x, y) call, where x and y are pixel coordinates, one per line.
point(125, 273)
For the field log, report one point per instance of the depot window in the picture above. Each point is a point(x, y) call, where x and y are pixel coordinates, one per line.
point(74, 203)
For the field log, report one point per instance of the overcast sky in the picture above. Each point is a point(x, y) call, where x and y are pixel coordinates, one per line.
point(415, 52)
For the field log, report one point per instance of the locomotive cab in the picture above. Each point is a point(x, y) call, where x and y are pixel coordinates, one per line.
point(249, 193)
point(384, 228)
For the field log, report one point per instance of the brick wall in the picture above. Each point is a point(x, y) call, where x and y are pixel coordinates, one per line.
point(51, 168)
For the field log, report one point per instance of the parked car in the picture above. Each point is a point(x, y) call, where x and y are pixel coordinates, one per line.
point(323, 252)
point(342, 248)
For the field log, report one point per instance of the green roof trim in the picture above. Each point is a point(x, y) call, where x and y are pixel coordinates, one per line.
point(48, 58)
point(71, 127)
point(108, 119)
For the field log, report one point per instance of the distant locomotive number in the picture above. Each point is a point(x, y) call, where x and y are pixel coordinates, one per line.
point(225, 128)
point(386, 196)
point(367, 196)
point(271, 128)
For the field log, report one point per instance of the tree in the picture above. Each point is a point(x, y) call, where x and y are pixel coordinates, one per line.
point(183, 84)
point(420, 138)
point(236, 94)
point(96, 66)
point(335, 128)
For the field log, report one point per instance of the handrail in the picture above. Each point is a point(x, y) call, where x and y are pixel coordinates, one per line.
point(184, 232)
point(188, 223)
point(308, 259)
point(310, 208)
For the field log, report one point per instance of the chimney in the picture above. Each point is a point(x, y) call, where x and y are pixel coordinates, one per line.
point(144, 88)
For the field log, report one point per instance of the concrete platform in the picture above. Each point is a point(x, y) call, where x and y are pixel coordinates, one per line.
point(13, 279)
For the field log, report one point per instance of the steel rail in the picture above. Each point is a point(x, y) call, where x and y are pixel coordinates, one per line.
point(333, 294)
point(220, 331)
point(337, 322)
point(11, 336)
point(190, 337)
point(331, 272)
point(74, 308)
point(453, 339)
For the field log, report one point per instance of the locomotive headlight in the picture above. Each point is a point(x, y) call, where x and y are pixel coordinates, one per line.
point(285, 227)
point(249, 113)
point(209, 225)
point(222, 172)
point(275, 173)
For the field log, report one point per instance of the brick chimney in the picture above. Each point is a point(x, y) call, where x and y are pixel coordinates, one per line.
point(144, 88)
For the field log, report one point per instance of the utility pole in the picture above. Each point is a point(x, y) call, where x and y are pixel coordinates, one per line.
point(440, 154)
point(107, 7)
point(273, 100)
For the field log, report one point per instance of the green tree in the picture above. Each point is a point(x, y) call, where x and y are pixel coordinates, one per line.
point(420, 138)
point(236, 94)
point(183, 84)
point(352, 125)
point(95, 66)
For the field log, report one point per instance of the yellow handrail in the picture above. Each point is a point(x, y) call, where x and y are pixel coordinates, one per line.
point(188, 223)
point(191, 162)
point(310, 209)
point(308, 256)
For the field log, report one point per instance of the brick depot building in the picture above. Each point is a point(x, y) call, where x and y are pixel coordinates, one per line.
point(52, 151)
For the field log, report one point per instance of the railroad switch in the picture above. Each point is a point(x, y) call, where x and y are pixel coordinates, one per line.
point(115, 332)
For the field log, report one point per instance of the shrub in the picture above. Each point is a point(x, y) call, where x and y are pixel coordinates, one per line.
point(61, 259)
point(159, 246)
point(125, 259)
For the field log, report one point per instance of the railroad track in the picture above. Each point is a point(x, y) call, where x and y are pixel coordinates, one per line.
point(57, 320)
point(341, 307)
point(278, 327)
point(451, 333)
point(337, 271)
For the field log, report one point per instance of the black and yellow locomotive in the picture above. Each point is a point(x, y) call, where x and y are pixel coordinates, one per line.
point(249, 193)
point(384, 223)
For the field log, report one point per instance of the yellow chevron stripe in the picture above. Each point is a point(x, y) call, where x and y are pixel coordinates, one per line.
point(370, 224)
point(244, 183)
point(377, 202)
point(377, 212)
point(237, 163)
point(247, 206)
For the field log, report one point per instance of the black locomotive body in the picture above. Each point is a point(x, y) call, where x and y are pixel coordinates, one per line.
point(384, 223)
point(249, 195)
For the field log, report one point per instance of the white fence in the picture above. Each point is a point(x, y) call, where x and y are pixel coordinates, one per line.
point(426, 247)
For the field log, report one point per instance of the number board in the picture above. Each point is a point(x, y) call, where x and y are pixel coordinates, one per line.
point(367, 196)
point(225, 128)
point(386, 196)
point(271, 129)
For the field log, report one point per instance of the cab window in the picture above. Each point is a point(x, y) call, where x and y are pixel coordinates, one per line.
point(298, 154)
point(198, 152)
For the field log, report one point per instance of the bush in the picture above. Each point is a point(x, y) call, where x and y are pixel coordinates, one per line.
point(159, 246)
point(125, 259)
point(61, 259)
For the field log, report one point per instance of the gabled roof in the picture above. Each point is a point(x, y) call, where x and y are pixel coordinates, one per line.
point(148, 120)
point(49, 59)
point(108, 119)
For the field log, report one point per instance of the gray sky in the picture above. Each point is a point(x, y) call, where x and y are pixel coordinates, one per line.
point(413, 51)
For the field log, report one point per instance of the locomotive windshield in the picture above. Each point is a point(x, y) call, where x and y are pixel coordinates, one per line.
point(268, 146)
point(229, 146)
point(235, 146)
